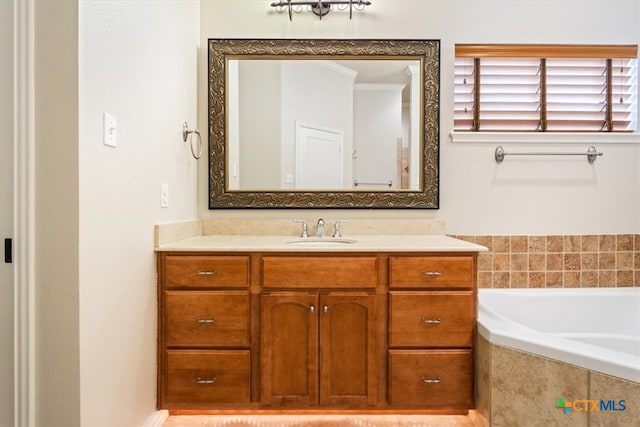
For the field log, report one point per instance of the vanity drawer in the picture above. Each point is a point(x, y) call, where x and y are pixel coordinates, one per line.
point(431, 378)
point(431, 319)
point(431, 272)
point(196, 379)
point(207, 318)
point(207, 271)
point(314, 272)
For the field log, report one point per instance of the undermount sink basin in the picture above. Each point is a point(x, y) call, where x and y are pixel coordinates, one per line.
point(320, 241)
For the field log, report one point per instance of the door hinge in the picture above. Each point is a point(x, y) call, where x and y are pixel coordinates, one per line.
point(8, 251)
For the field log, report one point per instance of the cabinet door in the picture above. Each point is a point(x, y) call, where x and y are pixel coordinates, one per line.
point(348, 349)
point(289, 363)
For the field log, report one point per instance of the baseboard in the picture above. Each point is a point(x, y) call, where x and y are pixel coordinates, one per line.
point(157, 419)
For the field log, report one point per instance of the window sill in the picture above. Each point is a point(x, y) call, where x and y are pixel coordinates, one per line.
point(544, 137)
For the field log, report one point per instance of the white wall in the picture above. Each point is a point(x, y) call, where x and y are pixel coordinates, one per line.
point(96, 206)
point(137, 61)
point(477, 196)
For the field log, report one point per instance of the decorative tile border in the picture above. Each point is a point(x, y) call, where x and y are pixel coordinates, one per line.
point(604, 260)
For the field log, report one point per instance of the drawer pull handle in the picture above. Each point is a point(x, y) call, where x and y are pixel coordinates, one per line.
point(432, 273)
point(431, 321)
point(206, 321)
point(426, 380)
point(206, 382)
point(207, 273)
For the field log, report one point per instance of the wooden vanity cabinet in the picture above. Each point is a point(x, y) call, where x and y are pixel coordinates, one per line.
point(365, 331)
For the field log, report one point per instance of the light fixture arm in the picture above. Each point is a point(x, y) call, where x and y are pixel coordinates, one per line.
point(319, 7)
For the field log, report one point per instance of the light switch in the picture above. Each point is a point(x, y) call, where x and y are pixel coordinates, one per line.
point(110, 130)
point(164, 195)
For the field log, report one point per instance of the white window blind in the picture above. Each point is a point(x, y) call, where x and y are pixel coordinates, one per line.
point(545, 88)
point(625, 94)
point(576, 94)
point(509, 94)
point(463, 93)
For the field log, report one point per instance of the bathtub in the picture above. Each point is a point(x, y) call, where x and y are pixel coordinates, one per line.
point(594, 328)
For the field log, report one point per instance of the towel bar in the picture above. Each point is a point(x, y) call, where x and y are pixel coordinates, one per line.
point(591, 154)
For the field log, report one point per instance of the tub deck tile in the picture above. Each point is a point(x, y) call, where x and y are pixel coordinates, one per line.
point(525, 389)
point(606, 387)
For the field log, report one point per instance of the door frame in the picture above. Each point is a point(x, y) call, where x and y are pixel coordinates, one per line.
point(24, 211)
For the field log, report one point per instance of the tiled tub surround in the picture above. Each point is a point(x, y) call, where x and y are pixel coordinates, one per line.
point(525, 362)
point(519, 388)
point(519, 261)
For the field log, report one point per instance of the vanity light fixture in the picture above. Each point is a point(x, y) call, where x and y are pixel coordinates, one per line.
point(319, 8)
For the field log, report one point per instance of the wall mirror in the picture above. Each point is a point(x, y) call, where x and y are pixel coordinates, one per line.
point(323, 123)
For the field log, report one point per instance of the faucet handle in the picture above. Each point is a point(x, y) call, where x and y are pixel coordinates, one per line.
point(336, 227)
point(304, 227)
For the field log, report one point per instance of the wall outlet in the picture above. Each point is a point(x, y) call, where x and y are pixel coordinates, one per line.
point(164, 195)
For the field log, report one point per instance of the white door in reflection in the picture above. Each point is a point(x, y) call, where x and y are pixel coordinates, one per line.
point(319, 158)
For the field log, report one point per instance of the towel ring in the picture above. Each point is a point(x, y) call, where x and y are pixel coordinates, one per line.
point(188, 134)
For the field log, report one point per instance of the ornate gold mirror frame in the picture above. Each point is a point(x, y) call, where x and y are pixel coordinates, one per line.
point(427, 52)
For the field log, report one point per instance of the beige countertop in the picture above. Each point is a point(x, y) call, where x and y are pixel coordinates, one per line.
point(357, 243)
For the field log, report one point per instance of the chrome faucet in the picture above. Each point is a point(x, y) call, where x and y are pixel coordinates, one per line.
point(320, 228)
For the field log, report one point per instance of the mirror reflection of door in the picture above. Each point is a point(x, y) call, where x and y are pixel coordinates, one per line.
point(318, 158)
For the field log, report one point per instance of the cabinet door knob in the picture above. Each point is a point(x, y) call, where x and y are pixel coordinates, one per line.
point(312, 309)
point(325, 309)
point(203, 381)
point(426, 380)
point(431, 321)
